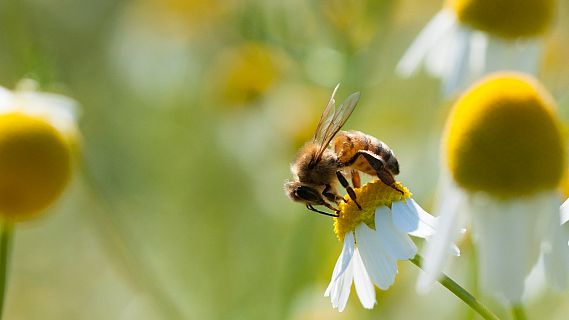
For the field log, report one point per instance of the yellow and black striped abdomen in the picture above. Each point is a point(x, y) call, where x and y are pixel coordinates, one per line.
point(347, 143)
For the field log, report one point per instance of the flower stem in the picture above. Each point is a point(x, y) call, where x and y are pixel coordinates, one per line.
point(5, 239)
point(518, 312)
point(461, 293)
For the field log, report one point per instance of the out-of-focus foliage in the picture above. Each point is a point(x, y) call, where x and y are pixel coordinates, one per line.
point(191, 114)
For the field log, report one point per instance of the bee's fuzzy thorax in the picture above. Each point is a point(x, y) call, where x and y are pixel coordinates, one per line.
point(310, 171)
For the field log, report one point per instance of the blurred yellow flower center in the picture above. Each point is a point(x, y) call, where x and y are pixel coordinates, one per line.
point(504, 138)
point(35, 165)
point(247, 72)
point(369, 196)
point(505, 18)
point(192, 14)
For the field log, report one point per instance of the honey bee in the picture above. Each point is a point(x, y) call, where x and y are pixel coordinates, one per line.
point(318, 168)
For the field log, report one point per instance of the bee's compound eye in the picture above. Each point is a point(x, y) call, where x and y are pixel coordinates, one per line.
point(308, 194)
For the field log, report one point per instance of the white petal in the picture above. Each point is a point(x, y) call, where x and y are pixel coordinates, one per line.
point(340, 299)
point(397, 243)
point(565, 211)
point(478, 47)
point(364, 286)
point(409, 217)
point(508, 235)
point(425, 41)
point(442, 56)
point(6, 100)
point(458, 62)
point(59, 110)
point(455, 251)
point(555, 250)
point(343, 260)
point(518, 55)
point(381, 267)
point(447, 231)
point(339, 288)
point(556, 261)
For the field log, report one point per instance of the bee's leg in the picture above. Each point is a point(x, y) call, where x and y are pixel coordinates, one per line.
point(332, 197)
point(348, 188)
point(311, 208)
point(377, 163)
point(356, 181)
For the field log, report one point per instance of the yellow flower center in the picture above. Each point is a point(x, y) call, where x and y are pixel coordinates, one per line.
point(504, 138)
point(505, 18)
point(35, 165)
point(369, 197)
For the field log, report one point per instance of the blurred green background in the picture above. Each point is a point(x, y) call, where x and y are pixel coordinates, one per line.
point(191, 112)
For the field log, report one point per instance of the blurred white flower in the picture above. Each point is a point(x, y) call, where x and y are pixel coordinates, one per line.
point(38, 137)
point(505, 157)
point(470, 38)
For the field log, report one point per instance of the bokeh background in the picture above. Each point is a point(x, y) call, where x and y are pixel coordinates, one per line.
point(191, 112)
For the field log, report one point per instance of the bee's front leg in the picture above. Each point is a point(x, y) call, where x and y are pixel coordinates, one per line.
point(332, 196)
point(311, 208)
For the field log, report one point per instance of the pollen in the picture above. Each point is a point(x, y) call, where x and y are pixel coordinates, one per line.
point(506, 18)
point(369, 197)
point(503, 138)
point(35, 165)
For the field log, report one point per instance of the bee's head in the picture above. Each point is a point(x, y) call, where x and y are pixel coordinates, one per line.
point(296, 191)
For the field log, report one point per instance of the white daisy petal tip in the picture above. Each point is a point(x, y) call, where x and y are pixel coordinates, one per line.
point(565, 212)
point(410, 217)
point(458, 53)
point(415, 55)
point(455, 250)
point(397, 243)
point(380, 265)
point(345, 257)
point(364, 287)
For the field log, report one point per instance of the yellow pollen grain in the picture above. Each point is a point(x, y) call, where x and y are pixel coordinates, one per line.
point(35, 165)
point(503, 138)
point(506, 18)
point(369, 196)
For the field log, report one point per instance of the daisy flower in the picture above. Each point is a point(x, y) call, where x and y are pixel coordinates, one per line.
point(504, 159)
point(38, 136)
point(471, 38)
point(374, 239)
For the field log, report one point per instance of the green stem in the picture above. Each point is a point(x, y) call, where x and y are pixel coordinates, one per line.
point(518, 312)
point(5, 239)
point(460, 292)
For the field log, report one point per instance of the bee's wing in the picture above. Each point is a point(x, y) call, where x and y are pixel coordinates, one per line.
point(341, 115)
point(325, 118)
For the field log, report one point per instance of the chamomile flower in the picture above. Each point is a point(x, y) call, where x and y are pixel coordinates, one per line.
point(504, 158)
point(374, 238)
point(471, 38)
point(38, 136)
